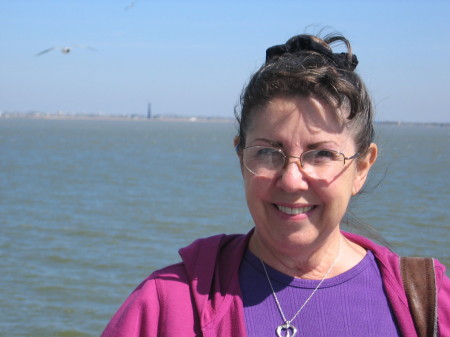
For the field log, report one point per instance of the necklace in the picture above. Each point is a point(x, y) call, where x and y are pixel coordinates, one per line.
point(287, 329)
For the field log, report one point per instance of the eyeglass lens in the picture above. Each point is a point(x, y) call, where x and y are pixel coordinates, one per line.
point(266, 161)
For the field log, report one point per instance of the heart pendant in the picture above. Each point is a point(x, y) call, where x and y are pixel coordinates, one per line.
point(286, 330)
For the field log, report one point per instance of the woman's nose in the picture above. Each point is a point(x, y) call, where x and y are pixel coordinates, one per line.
point(292, 177)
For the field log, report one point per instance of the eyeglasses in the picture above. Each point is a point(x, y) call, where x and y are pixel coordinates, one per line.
point(268, 161)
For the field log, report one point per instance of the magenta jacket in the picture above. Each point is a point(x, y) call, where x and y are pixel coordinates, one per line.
point(201, 295)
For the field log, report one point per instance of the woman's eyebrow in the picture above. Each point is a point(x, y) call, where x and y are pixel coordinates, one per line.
point(322, 144)
point(312, 146)
point(269, 141)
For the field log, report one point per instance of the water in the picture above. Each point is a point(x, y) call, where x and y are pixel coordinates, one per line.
point(89, 208)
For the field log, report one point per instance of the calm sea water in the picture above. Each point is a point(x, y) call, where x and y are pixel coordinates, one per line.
point(89, 208)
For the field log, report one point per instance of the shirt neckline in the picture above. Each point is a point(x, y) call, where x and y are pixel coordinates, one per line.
point(286, 280)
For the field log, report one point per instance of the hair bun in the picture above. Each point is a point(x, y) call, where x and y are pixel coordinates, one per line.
point(302, 43)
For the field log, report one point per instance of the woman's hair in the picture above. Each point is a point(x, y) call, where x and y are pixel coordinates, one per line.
point(306, 66)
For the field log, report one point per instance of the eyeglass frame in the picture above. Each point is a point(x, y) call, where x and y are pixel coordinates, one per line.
point(299, 158)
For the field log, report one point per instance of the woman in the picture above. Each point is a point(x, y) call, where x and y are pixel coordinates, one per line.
point(305, 148)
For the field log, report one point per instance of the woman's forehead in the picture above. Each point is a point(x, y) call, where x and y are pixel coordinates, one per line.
point(308, 114)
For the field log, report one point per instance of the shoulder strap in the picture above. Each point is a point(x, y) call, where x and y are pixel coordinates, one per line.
point(420, 287)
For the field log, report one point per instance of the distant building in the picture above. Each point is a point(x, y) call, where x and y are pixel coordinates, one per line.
point(149, 111)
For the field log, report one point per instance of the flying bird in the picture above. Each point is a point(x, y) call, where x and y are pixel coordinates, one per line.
point(131, 5)
point(64, 50)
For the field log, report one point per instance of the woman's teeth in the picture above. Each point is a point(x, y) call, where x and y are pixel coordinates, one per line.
point(294, 211)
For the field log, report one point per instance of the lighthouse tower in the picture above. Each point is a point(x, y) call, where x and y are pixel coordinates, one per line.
point(149, 110)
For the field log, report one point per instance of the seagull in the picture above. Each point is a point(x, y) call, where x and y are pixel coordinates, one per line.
point(131, 5)
point(64, 50)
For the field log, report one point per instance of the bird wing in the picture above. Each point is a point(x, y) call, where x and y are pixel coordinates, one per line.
point(82, 46)
point(45, 51)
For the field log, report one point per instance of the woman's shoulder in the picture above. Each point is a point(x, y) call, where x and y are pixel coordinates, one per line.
point(198, 257)
point(171, 275)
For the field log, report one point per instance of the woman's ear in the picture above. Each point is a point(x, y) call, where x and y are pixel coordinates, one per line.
point(363, 167)
point(236, 143)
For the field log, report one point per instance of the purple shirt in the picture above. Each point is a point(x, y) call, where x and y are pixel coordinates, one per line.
point(350, 304)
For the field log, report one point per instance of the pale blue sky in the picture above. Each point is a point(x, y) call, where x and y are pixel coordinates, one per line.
point(193, 57)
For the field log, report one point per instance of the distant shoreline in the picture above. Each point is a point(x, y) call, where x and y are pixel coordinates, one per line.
point(170, 118)
point(116, 118)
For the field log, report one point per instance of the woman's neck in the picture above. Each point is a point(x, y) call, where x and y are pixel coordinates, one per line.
point(313, 260)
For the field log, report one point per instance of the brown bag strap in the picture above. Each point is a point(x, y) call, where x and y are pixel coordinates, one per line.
point(420, 287)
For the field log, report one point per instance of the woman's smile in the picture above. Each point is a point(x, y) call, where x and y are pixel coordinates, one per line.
point(294, 210)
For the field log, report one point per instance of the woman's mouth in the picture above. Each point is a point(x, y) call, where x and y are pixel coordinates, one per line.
point(294, 211)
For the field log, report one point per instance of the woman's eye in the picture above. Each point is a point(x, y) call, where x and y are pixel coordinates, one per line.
point(320, 157)
point(264, 152)
point(270, 155)
point(325, 154)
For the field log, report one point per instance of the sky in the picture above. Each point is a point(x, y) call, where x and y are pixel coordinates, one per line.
point(192, 58)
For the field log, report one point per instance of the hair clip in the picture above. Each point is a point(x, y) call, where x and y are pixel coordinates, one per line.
point(301, 43)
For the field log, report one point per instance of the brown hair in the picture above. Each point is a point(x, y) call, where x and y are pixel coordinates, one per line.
point(305, 65)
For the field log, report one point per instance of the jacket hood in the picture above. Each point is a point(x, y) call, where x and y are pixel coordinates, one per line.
point(214, 288)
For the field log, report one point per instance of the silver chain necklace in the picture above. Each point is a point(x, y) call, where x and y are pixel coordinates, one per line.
point(287, 329)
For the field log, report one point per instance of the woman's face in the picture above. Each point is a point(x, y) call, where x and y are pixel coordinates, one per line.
point(292, 208)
